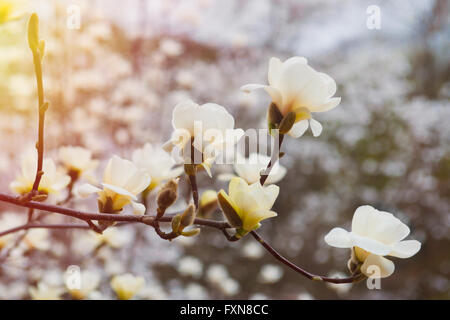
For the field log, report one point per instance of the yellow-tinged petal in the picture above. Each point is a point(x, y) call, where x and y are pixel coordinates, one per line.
point(252, 219)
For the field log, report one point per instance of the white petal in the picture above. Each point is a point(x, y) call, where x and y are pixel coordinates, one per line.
point(276, 174)
point(207, 169)
point(316, 127)
point(339, 238)
point(299, 129)
point(119, 190)
point(330, 84)
point(138, 182)
point(370, 245)
point(379, 225)
point(405, 249)
point(265, 196)
point(330, 104)
point(86, 190)
point(377, 267)
point(275, 65)
point(138, 208)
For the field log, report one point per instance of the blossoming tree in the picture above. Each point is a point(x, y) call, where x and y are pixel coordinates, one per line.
point(201, 134)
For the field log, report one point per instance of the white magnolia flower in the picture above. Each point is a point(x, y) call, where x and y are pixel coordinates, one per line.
point(190, 266)
point(126, 286)
point(295, 86)
point(375, 234)
point(114, 237)
point(157, 163)
point(77, 160)
point(250, 169)
point(45, 292)
point(270, 273)
point(52, 181)
point(38, 239)
point(33, 239)
point(89, 281)
point(252, 203)
point(209, 127)
point(122, 182)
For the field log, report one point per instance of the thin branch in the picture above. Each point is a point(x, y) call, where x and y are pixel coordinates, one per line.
point(34, 225)
point(294, 267)
point(124, 218)
point(40, 144)
point(194, 187)
point(276, 254)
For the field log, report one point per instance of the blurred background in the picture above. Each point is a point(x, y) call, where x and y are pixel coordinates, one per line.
point(114, 81)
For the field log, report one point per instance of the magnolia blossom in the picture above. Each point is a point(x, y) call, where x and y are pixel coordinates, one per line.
point(252, 203)
point(157, 163)
point(250, 169)
point(38, 239)
point(126, 286)
point(88, 282)
point(375, 234)
point(34, 239)
point(52, 181)
point(114, 237)
point(295, 86)
point(210, 129)
point(45, 292)
point(77, 160)
point(122, 182)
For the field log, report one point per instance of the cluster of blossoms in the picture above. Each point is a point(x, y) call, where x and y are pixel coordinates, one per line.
point(201, 134)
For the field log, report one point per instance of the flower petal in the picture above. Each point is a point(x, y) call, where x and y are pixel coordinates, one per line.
point(370, 245)
point(299, 129)
point(405, 249)
point(275, 65)
point(316, 127)
point(379, 225)
point(85, 190)
point(339, 238)
point(330, 104)
point(377, 267)
point(252, 219)
point(119, 190)
point(138, 208)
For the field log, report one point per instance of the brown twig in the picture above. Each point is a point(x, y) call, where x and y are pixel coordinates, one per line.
point(294, 267)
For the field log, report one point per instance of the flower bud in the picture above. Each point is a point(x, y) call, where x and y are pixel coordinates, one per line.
point(287, 122)
point(228, 210)
point(33, 32)
point(188, 217)
point(208, 203)
point(176, 221)
point(191, 233)
point(167, 196)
